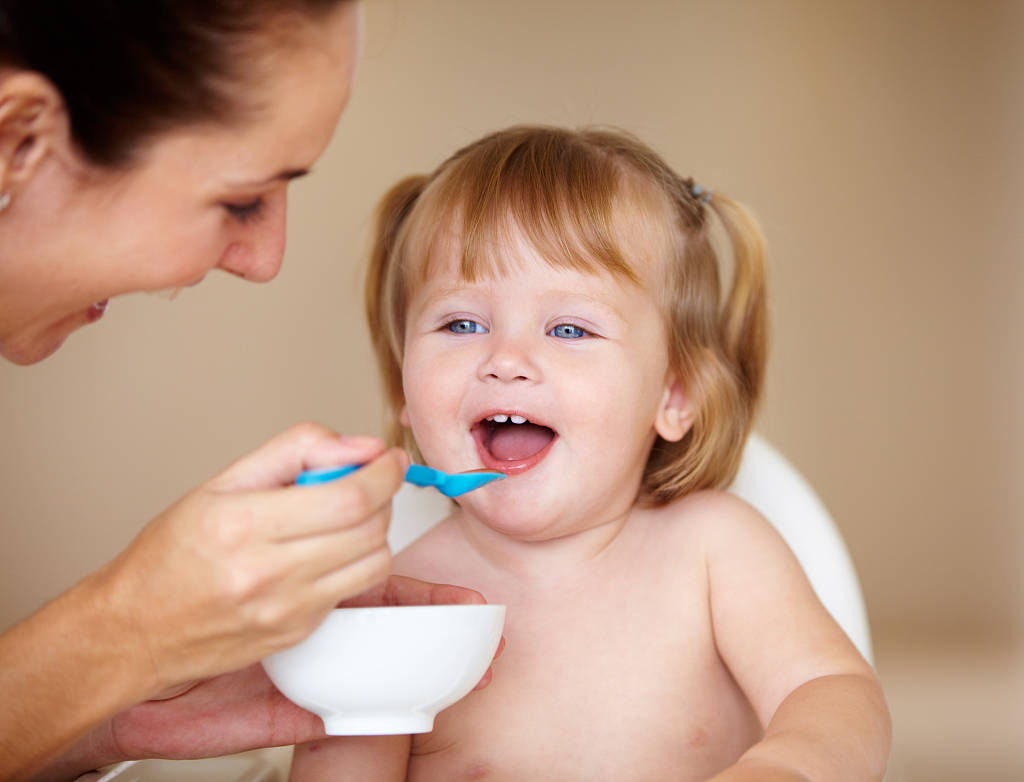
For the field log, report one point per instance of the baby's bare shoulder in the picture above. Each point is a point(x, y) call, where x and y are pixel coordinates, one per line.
point(721, 523)
point(714, 512)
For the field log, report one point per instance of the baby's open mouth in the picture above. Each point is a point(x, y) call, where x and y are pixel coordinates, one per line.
point(512, 440)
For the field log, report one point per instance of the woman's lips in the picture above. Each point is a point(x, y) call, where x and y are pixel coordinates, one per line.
point(96, 311)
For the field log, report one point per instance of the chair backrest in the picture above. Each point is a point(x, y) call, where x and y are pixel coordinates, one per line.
point(765, 480)
point(772, 485)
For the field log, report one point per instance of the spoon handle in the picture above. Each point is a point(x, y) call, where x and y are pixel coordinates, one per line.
point(325, 474)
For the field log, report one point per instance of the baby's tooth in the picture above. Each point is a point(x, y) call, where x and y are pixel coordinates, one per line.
point(500, 418)
point(517, 419)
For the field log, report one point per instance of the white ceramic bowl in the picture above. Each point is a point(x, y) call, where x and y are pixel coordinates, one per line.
point(377, 671)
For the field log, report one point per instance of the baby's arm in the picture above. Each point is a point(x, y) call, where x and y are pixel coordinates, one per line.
point(821, 703)
point(369, 758)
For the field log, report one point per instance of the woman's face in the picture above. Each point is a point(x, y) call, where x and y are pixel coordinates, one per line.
point(201, 198)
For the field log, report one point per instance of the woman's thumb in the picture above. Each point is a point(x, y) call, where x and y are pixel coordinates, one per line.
point(302, 447)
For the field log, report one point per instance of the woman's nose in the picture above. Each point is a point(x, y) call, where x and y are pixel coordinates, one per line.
point(257, 253)
point(510, 359)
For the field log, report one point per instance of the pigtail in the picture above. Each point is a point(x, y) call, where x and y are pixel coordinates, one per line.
point(744, 318)
point(719, 350)
point(384, 297)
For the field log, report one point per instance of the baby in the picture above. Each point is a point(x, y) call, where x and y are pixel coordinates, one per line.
point(547, 304)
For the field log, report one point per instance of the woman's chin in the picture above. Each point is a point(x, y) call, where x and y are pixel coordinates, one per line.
point(31, 351)
point(35, 346)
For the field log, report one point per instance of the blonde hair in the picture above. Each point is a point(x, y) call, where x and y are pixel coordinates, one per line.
point(591, 200)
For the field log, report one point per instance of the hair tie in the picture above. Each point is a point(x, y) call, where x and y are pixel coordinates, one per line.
point(701, 194)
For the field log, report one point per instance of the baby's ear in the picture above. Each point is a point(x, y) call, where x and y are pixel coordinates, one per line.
point(403, 417)
point(675, 414)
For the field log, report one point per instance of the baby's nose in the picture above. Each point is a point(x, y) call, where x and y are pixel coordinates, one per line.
point(510, 360)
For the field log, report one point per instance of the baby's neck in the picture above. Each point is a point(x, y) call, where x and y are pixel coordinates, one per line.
point(543, 562)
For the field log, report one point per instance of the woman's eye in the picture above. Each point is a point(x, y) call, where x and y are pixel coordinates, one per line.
point(465, 326)
point(243, 213)
point(567, 331)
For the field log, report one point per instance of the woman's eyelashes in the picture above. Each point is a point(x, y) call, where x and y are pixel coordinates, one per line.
point(246, 211)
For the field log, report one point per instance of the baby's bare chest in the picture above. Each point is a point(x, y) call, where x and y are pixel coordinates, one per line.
point(618, 681)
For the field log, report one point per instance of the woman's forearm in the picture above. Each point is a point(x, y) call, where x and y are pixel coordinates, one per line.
point(64, 671)
point(830, 729)
point(84, 756)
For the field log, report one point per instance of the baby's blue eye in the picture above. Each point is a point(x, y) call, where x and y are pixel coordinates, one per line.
point(567, 331)
point(465, 326)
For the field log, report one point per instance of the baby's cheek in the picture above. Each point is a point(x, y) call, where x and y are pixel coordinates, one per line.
point(431, 438)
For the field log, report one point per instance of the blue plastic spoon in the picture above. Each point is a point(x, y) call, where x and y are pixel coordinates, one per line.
point(449, 484)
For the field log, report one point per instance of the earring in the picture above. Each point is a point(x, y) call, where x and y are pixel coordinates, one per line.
point(5, 201)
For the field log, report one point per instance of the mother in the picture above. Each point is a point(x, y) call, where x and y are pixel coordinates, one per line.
point(143, 145)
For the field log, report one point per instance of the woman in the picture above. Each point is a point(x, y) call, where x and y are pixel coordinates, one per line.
point(143, 145)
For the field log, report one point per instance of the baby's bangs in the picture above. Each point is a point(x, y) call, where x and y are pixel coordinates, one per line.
point(561, 197)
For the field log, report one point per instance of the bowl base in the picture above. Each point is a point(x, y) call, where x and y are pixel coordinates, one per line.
point(377, 724)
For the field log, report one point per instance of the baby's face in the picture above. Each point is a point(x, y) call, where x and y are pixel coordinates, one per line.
point(555, 377)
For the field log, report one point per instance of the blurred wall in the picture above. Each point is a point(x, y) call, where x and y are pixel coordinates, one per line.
point(876, 140)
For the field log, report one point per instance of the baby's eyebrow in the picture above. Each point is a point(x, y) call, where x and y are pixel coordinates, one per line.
point(443, 293)
point(556, 295)
point(593, 301)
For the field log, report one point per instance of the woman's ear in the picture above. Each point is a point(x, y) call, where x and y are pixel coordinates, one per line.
point(403, 417)
point(33, 122)
point(675, 413)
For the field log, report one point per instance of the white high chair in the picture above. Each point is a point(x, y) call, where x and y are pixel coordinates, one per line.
point(774, 486)
point(765, 479)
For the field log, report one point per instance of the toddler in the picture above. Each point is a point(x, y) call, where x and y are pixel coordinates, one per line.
point(547, 304)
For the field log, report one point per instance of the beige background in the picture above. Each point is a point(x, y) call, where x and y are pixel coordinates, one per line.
point(878, 143)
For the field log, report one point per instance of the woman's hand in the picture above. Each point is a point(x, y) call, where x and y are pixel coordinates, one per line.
point(248, 563)
point(232, 712)
point(242, 566)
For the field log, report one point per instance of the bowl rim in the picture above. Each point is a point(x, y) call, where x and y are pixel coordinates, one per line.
point(445, 608)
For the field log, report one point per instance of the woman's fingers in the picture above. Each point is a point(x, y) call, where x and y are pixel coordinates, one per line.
point(354, 578)
point(311, 557)
point(301, 511)
point(304, 446)
point(404, 591)
point(248, 563)
point(293, 553)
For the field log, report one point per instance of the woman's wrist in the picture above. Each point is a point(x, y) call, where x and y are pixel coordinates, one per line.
point(88, 754)
point(64, 672)
point(103, 624)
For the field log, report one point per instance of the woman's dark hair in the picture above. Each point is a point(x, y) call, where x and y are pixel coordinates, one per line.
point(129, 69)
